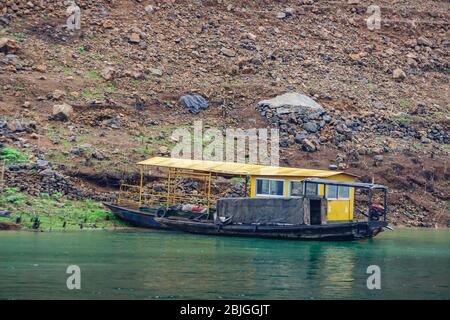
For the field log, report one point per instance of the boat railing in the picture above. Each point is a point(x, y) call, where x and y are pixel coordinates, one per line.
point(130, 194)
point(152, 199)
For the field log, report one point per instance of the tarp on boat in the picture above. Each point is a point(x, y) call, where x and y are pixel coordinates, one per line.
point(260, 210)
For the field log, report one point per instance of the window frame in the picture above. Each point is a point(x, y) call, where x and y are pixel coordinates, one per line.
point(317, 189)
point(327, 192)
point(270, 195)
point(290, 189)
point(337, 193)
point(349, 193)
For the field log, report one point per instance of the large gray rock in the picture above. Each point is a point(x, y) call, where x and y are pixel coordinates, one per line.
point(62, 112)
point(194, 103)
point(311, 127)
point(292, 102)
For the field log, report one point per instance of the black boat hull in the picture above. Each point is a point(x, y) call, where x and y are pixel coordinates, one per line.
point(333, 231)
point(336, 231)
point(135, 217)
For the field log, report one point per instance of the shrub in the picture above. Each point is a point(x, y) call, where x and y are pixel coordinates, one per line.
point(12, 156)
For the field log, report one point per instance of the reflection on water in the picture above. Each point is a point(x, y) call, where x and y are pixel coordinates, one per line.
point(164, 265)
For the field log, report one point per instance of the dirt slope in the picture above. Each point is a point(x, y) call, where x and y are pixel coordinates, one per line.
point(125, 71)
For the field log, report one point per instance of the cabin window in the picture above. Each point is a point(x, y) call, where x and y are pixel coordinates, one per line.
point(338, 192)
point(270, 187)
point(312, 189)
point(296, 188)
point(344, 192)
point(332, 192)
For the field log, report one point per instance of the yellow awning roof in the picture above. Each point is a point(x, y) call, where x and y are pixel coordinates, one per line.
point(233, 168)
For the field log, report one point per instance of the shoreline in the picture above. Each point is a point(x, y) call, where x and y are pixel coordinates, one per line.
point(15, 227)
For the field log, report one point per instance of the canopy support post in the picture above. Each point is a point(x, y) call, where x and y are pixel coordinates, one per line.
point(246, 186)
point(168, 188)
point(141, 186)
point(175, 186)
point(209, 193)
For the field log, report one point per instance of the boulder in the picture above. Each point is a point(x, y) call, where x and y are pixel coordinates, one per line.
point(308, 146)
point(378, 160)
point(57, 94)
point(134, 38)
point(98, 155)
point(299, 138)
point(108, 73)
point(163, 151)
point(311, 127)
point(281, 15)
point(398, 74)
point(47, 173)
point(194, 103)
point(8, 46)
point(41, 164)
point(155, 72)
point(228, 52)
point(62, 112)
point(423, 41)
point(292, 102)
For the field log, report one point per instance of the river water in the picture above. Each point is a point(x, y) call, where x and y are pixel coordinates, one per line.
point(414, 264)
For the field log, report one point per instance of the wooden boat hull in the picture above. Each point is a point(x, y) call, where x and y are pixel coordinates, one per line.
point(135, 217)
point(335, 231)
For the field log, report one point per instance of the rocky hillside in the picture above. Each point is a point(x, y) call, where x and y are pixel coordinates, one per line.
point(90, 103)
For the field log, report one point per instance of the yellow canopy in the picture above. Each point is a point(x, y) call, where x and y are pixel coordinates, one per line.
point(234, 168)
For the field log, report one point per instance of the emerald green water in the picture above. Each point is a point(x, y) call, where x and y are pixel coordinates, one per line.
point(164, 265)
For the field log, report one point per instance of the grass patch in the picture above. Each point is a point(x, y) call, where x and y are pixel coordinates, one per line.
point(92, 94)
point(441, 115)
point(145, 147)
point(98, 93)
point(405, 104)
point(12, 156)
point(82, 50)
point(18, 87)
point(371, 86)
point(94, 75)
point(56, 212)
point(418, 146)
point(68, 71)
point(403, 117)
point(136, 83)
point(20, 36)
point(111, 88)
point(59, 158)
point(99, 56)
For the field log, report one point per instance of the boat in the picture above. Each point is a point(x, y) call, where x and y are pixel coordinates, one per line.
point(277, 202)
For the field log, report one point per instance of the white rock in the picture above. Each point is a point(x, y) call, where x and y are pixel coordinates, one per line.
point(292, 102)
